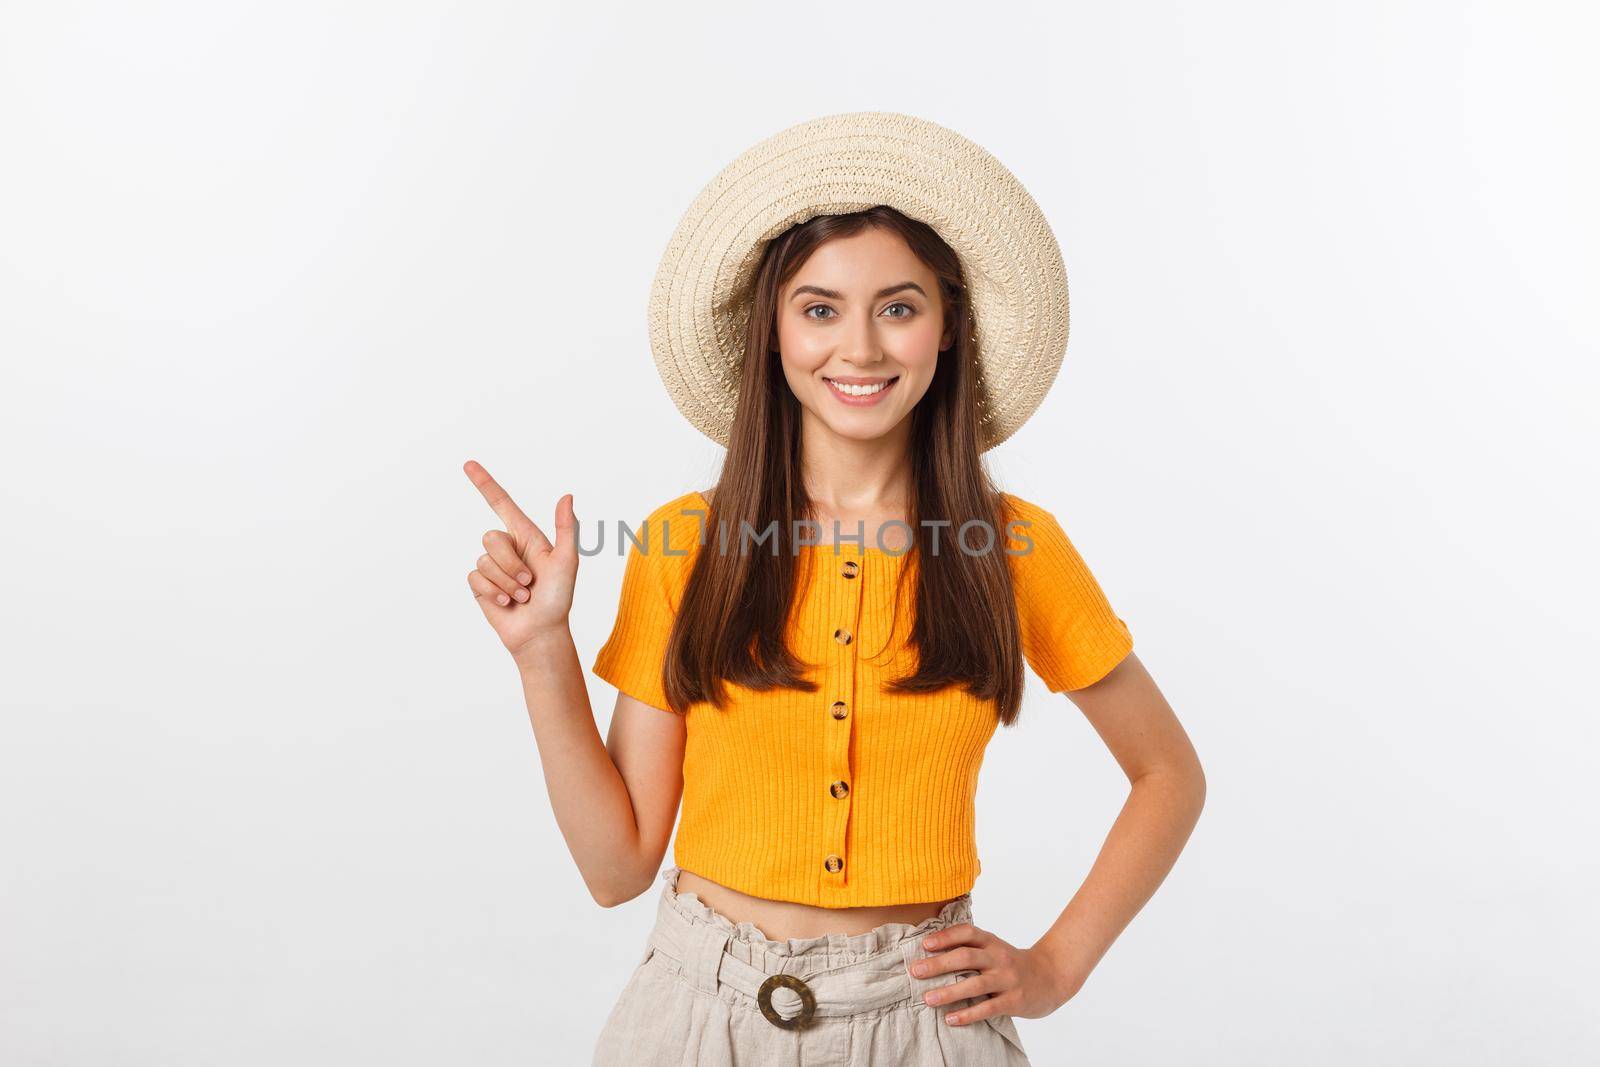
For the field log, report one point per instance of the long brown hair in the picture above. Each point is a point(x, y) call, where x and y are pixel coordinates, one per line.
point(732, 620)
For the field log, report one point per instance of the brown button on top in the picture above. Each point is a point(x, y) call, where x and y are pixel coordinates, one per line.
point(840, 789)
point(850, 568)
point(834, 864)
point(839, 709)
point(842, 636)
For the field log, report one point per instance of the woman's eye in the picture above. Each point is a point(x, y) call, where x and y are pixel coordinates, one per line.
point(907, 308)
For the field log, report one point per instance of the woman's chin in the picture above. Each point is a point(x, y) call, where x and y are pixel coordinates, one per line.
point(862, 431)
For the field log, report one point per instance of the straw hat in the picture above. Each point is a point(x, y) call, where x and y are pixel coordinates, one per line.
point(1016, 282)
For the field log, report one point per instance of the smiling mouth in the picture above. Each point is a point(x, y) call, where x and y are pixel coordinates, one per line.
point(862, 389)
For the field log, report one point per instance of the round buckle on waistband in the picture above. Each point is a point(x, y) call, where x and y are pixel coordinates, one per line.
point(808, 1001)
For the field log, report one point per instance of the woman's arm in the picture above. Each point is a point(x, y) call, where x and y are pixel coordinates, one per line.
point(615, 802)
point(1168, 791)
point(615, 808)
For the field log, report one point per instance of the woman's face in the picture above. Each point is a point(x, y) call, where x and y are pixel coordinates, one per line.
point(860, 326)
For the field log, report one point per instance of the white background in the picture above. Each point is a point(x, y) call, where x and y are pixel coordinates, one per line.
point(270, 273)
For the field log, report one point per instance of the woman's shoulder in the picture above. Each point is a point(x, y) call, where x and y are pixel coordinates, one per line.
point(688, 503)
point(1016, 506)
point(675, 523)
point(1025, 520)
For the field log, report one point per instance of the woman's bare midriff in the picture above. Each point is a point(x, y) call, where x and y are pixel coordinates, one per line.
point(780, 920)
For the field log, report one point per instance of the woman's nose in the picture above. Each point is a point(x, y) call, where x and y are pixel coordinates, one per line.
point(861, 346)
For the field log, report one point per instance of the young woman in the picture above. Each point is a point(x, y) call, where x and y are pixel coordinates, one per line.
point(813, 654)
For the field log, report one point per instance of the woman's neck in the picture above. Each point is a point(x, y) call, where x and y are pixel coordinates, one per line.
point(847, 477)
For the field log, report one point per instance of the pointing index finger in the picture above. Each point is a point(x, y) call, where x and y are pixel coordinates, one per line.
point(498, 498)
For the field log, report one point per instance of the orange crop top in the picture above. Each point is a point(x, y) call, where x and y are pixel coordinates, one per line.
point(848, 796)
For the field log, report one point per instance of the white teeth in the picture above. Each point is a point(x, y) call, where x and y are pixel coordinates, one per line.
point(858, 390)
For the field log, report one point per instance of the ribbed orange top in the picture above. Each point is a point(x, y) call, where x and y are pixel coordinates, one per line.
point(781, 787)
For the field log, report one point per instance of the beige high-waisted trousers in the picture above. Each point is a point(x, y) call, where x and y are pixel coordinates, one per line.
point(695, 999)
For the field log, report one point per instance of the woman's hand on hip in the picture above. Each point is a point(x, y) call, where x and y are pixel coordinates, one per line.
point(1020, 982)
point(522, 582)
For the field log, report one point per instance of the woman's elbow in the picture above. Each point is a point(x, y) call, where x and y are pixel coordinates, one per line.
point(1193, 778)
point(612, 896)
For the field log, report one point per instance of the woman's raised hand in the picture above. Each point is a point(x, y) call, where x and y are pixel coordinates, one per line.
point(523, 583)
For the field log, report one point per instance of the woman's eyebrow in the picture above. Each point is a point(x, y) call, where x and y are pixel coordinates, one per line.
point(833, 294)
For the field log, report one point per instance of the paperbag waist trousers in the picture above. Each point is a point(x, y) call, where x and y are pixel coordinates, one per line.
point(713, 993)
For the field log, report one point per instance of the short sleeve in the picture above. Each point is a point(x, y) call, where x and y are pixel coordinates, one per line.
point(634, 656)
point(1071, 637)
